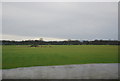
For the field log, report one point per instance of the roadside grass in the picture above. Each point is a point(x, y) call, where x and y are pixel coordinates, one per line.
point(14, 56)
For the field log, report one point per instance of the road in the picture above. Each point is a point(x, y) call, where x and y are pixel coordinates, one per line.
point(81, 71)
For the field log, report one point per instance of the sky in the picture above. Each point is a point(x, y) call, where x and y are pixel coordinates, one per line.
point(59, 20)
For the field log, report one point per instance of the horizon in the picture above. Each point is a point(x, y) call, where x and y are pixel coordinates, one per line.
point(60, 40)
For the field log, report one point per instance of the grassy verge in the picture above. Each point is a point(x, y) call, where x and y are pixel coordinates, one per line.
point(24, 56)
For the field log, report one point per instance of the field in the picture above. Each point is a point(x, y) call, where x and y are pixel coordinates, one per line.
point(24, 56)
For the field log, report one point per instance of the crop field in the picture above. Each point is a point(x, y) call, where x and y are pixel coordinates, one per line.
point(14, 56)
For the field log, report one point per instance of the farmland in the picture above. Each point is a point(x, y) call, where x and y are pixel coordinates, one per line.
point(14, 56)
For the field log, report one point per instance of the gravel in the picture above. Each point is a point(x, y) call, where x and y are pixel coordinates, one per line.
point(81, 71)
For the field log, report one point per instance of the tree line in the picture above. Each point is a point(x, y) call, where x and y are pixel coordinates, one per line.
point(67, 42)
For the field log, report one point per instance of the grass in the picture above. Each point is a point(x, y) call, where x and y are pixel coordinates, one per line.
point(23, 56)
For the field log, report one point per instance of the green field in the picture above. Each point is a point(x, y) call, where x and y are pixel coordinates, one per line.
point(24, 56)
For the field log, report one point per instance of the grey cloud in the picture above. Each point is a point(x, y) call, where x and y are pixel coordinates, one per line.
point(61, 20)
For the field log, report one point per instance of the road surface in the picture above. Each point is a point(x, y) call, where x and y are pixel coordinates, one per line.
point(81, 71)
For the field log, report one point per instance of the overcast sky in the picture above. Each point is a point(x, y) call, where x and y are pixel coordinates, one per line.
point(60, 20)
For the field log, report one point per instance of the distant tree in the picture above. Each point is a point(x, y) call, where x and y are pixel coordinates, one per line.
point(41, 39)
point(69, 42)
